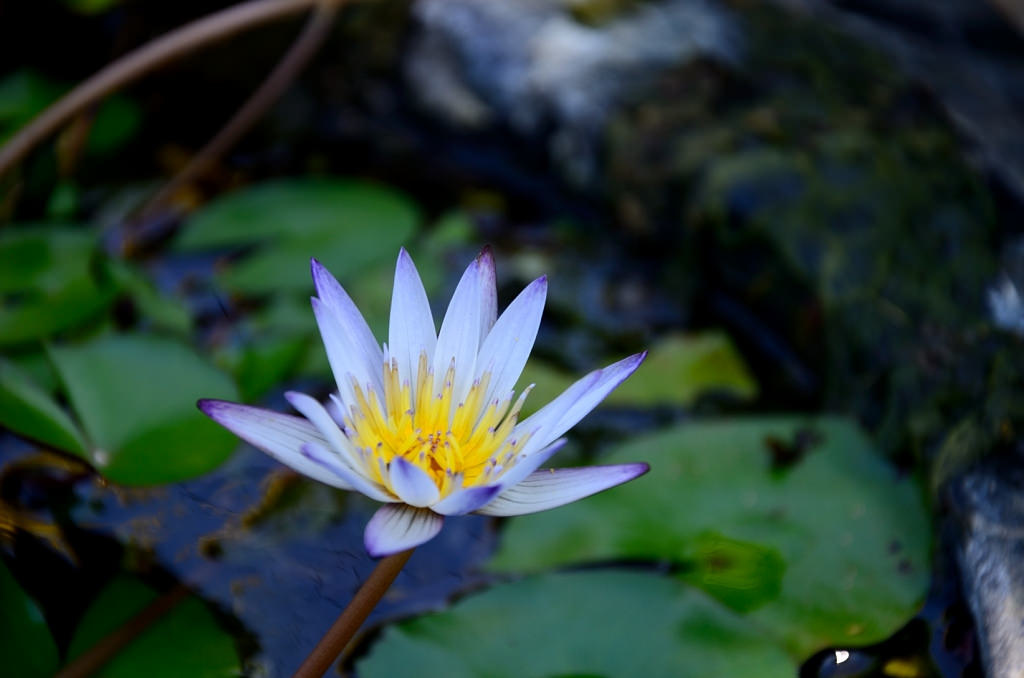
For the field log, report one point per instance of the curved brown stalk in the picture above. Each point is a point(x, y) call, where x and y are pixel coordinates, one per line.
point(102, 652)
point(303, 49)
point(137, 63)
point(353, 616)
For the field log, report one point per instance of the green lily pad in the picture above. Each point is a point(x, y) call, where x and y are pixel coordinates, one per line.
point(37, 367)
point(740, 575)
point(371, 291)
point(27, 409)
point(185, 641)
point(608, 624)
point(164, 312)
point(807, 499)
point(679, 370)
point(263, 365)
point(135, 397)
point(548, 381)
point(287, 315)
point(347, 225)
point(46, 282)
point(452, 232)
point(26, 645)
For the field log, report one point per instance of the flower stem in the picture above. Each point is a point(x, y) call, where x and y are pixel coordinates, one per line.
point(137, 63)
point(102, 652)
point(305, 47)
point(353, 616)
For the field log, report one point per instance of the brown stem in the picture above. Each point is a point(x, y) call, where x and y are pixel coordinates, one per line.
point(137, 63)
point(305, 46)
point(102, 652)
point(353, 616)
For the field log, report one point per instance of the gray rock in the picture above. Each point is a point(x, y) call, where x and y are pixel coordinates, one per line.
point(528, 64)
point(989, 502)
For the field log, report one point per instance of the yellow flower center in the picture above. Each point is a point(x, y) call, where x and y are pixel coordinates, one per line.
point(457, 444)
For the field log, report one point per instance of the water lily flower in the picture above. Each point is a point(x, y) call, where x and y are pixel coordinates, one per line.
point(429, 423)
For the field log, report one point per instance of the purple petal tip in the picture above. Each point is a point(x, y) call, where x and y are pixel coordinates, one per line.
point(638, 469)
point(208, 406)
point(371, 547)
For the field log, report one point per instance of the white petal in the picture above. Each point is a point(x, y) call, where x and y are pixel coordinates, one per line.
point(411, 328)
point(546, 418)
point(465, 500)
point(397, 527)
point(334, 409)
point(575, 402)
point(318, 415)
point(524, 465)
point(412, 484)
point(279, 435)
point(508, 345)
point(547, 489)
point(463, 326)
point(334, 296)
point(346, 359)
point(319, 454)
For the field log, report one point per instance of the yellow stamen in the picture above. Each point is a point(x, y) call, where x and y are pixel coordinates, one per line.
point(459, 444)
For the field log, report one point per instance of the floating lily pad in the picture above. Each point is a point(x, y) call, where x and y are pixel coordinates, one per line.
point(347, 225)
point(809, 499)
point(288, 315)
point(26, 645)
point(547, 380)
point(680, 369)
point(27, 409)
point(261, 366)
point(135, 397)
point(607, 624)
point(164, 312)
point(185, 641)
point(46, 282)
